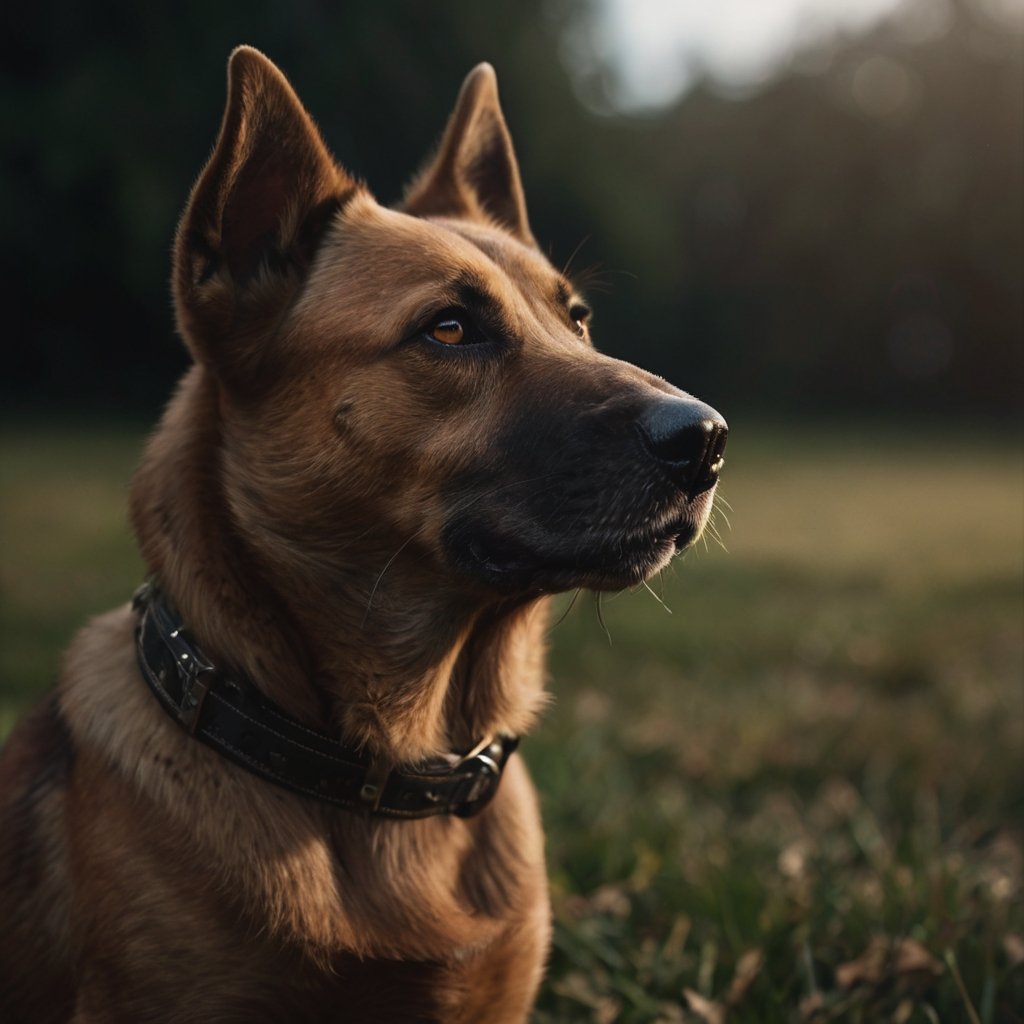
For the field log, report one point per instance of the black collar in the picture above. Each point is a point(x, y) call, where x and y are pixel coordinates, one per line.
point(228, 713)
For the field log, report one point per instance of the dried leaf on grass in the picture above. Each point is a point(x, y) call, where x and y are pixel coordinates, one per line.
point(611, 900)
point(676, 941)
point(811, 1005)
point(747, 969)
point(707, 1009)
point(712, 1011)
point(903, 1012)
point(886, 958)
point(1013, 945)
point(792, 860)
point(670, 1013)
point(577, 987)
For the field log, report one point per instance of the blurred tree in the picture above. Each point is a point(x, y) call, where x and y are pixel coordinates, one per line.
point(850, 237)
point(847, 238)
point(110, 109)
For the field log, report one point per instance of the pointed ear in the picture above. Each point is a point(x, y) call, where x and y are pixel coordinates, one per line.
point(257, 211)
point(474, 173)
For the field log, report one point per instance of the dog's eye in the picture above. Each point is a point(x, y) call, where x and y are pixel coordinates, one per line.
point(448, 330)
point(454, 328)
point(580, 317)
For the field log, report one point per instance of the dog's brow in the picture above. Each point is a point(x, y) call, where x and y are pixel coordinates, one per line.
point(472, 294)
point(562, 293)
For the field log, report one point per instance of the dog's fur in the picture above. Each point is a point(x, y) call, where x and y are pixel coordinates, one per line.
point(366, 520)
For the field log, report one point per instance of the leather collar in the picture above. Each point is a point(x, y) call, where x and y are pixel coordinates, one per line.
point(224, 710)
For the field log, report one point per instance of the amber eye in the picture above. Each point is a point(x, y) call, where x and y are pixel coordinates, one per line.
point(448, 331)
point(580, 316)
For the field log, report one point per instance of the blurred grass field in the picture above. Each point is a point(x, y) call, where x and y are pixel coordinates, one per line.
point(787, 785)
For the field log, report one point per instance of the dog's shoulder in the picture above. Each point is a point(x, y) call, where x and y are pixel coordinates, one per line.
point(35, 764)
point(34, 767)
point(101, 696)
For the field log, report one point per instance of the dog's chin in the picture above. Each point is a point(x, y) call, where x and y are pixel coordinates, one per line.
point(513, 564)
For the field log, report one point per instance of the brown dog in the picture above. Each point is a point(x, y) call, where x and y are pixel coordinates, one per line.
point(269, 789)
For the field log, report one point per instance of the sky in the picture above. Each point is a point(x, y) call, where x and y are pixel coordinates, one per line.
point(658, 47)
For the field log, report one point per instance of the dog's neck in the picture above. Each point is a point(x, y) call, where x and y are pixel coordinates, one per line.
point(414, 671)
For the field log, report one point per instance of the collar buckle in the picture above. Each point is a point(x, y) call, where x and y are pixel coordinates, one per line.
point(194, 688)
point(194, 669)
point(483, 768)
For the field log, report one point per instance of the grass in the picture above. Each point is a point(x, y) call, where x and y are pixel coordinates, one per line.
point(796, 796)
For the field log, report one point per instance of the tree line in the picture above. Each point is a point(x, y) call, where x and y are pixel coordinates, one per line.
point(847, 238)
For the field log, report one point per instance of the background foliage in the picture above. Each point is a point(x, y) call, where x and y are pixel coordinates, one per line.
point(849, 237)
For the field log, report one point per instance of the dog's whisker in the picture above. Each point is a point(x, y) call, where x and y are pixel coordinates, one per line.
point(712, 528)
point(647, 587)
point(568, 263)
point(458, 509)
point(467, 503)
point(600, 617)
point(568, 608)
point(380, 576)
point(719, 512)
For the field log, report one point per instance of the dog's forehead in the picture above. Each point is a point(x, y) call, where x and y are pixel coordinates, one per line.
point(373, 247)
point(521, 262)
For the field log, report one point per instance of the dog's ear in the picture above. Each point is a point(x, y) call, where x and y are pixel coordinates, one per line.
point(474, 172)
point(256, 213)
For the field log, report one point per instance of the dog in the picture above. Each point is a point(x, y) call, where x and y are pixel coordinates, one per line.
point(281, 784)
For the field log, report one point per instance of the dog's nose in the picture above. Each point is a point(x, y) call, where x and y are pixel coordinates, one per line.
point(687, 438)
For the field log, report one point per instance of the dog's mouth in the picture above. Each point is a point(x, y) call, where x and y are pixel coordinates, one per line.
point(599, 560)
point(612, 507)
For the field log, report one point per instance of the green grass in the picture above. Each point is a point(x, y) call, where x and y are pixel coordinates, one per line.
point(798, 796)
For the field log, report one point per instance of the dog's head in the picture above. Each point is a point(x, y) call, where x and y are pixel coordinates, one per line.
point(422, 379)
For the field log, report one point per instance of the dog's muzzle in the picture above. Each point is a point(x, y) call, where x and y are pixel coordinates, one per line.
point(628, 478)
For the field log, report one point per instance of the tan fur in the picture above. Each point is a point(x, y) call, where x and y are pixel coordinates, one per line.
point(293, 504)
